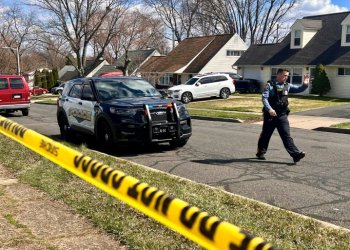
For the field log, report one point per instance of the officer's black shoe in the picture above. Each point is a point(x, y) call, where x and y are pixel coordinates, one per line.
point(298, 157)
point(261, 156)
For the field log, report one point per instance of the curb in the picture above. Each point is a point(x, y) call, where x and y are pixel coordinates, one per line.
point(218, 119)
point(333, 130)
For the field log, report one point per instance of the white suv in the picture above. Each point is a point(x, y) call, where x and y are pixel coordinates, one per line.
point(203, 86)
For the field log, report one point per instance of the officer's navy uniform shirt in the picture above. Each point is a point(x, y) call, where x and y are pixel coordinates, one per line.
point(269, 91)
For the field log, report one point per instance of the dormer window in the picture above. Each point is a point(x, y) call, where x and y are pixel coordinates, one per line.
point(302, 31)
point(345, 36)
point(297, 38)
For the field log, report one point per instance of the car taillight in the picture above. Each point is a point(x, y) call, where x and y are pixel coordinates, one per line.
point(233, 82)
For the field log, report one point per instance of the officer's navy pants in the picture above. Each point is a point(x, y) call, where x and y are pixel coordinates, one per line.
point(282, 125)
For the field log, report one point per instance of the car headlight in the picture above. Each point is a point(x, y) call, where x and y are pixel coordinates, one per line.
point(177, 91)
point(181, 109)
point(123, 111)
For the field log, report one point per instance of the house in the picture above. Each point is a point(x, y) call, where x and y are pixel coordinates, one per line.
point(69, 72)
point(192, 56)
point(135, 59)
point(321, 39)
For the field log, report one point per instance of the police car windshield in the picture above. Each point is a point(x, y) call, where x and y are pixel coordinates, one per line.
point(109, 89)
point(191, 81)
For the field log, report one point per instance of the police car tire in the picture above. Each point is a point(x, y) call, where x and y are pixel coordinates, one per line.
point(104, 136)
point(64, 127)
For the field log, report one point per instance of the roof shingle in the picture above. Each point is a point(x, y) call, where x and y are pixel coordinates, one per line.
point(193, 53)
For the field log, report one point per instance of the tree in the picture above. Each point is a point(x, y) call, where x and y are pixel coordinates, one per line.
point(37, 78)
point(18, 30)
point(79, 21)
point(49, 79)
point(43, 78)
point(55, 76)
point(321, 84)
point(136, 30)
point(256, 21)
point(177, 15)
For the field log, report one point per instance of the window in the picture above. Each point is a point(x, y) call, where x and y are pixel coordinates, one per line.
point(167, 79)
point(297, 36)
point(3, 84)
point(234, 52)
point(295, 75)
point(16, 83)
point(219, 78)
point(76, 91)
point(343, 71)
point(347, 39)
point(312, 74)
point(87, 92)
point(206, 80)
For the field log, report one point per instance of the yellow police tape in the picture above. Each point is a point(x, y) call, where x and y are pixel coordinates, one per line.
point(207, 231)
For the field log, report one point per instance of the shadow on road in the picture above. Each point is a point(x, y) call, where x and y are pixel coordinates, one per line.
point(247, 160)
point(127, 149)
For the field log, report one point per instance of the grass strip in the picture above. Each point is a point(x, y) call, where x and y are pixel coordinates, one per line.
point(283, 229)
point(252, 103)
point(245, 117)
point(345, 125)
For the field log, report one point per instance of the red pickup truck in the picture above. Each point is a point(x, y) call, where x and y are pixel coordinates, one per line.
point(14, 94)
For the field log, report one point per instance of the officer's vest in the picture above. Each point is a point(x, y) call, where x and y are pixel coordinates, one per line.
point(279, 102)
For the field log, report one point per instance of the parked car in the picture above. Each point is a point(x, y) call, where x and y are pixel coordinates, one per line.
point(245, 85)
point(14, 94)
point(58, 89)
point(121, 109)
point(203, 86)
point(38, 90)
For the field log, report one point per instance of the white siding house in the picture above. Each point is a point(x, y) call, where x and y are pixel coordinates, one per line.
point(195, 55)
point(313, 40)
point(226, 56)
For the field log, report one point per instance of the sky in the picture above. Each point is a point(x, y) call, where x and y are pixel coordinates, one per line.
point(303, 8)
point(317, 7)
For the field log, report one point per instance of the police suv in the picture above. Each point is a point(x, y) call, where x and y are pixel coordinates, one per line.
point(121, 109)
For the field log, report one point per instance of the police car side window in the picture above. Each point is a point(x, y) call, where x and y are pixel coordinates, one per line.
point(87, 93)
point(76, 91)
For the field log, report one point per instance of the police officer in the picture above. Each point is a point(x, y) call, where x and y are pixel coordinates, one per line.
point(275, 111)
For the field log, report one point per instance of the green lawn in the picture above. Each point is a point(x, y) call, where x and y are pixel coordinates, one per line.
point(248, 107)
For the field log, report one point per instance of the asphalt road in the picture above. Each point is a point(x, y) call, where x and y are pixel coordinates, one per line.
point(222, 154)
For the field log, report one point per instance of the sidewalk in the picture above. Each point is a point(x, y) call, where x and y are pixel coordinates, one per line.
point(312, 122)
point(30, 220)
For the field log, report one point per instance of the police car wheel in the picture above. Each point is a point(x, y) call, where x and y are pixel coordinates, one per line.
point(64, 127)
point(104, 135)
point(224, 93)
